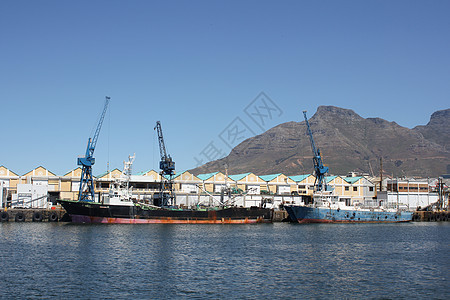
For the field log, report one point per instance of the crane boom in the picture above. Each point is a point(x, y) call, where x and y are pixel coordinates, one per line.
point(167, 166)
point(99, 126)
point(319, 169)
point(162, 146)
point(86, 192)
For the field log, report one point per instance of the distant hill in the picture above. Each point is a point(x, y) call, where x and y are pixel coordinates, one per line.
point(438, 129)
point(348, 143)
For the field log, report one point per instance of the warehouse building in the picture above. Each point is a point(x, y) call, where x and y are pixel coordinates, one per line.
point(304, 183)
point(248, 183)
point(279, 184)
point(40, 188)
point(410, 193)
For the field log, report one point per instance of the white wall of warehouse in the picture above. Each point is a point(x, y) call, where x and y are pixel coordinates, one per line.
point(189, 188)
point(410, 201)
point(75, 186)
point(283, 189)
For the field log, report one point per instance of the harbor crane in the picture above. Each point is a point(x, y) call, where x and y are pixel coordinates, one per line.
point(319, 169)
point(86, 192)
point(167, 166)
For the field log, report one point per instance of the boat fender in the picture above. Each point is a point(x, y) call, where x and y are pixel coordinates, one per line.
point(37, 216)
point(20, 217)
point(5, 216)
point(53, 217)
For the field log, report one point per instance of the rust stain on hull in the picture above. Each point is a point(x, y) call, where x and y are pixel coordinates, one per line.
point(107, 220)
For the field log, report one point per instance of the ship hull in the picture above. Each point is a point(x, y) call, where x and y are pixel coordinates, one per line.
point(306, 214)
point(89, 212)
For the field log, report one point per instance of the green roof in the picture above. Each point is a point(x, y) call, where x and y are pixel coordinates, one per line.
point(270, 177)
point(64, 174)
point(206, 176)
point(298, 178)
point(179, 173)
point(105, 173)
point(352, 180)
point(329, 178)
point(238, 177)
point(144, 172)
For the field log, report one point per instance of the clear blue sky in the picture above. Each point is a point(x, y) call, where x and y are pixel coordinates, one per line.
point(196, 65)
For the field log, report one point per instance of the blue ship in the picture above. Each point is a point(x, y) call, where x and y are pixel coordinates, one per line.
point(310, 214)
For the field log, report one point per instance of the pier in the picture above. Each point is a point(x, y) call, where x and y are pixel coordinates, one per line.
point(32, 215)
point(431, 216)
point(59, 215)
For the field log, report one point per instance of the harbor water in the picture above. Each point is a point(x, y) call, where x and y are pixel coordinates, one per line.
point(281, 260)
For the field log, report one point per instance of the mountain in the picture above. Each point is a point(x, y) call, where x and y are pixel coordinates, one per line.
point(347, 143)
point(438, 129)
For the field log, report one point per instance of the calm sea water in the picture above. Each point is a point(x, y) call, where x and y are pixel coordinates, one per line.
point(225, 261)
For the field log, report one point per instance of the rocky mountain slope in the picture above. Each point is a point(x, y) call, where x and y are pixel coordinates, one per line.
point(348, 143)
point(438, 129)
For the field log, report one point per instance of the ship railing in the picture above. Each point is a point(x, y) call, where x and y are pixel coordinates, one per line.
point(147, 205)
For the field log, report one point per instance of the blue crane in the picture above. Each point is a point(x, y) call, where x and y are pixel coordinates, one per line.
point(86, 192)
point(167, 166)
point(319, 169)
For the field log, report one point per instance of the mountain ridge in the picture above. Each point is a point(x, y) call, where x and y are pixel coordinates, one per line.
point(353, 143)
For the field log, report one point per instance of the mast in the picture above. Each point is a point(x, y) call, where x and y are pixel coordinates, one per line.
point(381, 174)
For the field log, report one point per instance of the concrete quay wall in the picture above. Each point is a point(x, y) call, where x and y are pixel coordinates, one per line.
point(32, 215)
point(59, 215)
point(431, 216)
